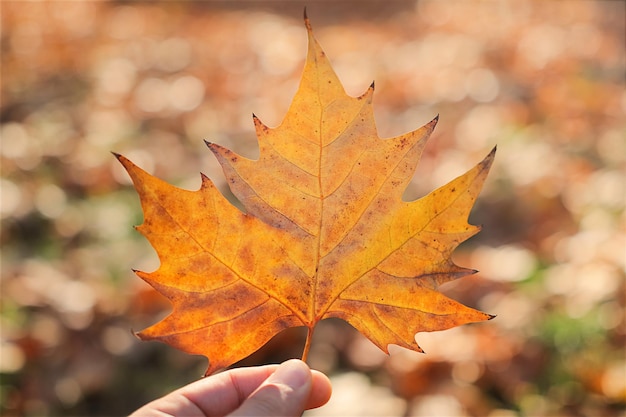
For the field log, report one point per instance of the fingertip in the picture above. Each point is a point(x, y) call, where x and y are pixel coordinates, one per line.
point(286, 392)
point(294, 373)
point(321, 390)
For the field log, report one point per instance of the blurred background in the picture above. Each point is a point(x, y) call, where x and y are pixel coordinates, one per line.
point(544, 80)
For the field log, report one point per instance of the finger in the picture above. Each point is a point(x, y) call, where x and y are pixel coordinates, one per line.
point(320, 392)
point(215, 395)
point(285, 393)
point(222, 393)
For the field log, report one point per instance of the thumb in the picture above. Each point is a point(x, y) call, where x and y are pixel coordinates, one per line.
point(284, 393)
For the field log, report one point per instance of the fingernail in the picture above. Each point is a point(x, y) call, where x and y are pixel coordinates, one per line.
point(293, 373)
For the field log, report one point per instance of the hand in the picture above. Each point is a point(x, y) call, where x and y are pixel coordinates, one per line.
point(273, 390)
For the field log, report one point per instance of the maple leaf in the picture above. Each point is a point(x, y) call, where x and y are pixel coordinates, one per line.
point(325, 233)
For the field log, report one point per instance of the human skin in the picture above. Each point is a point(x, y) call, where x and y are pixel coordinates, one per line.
point(277, 390)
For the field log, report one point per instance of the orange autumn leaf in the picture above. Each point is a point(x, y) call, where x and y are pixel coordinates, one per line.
point(325, 233)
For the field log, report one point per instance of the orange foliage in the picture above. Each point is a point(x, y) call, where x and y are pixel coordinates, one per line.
point(325, 234)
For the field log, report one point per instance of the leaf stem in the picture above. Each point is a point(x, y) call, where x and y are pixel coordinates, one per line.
point(307, 344)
